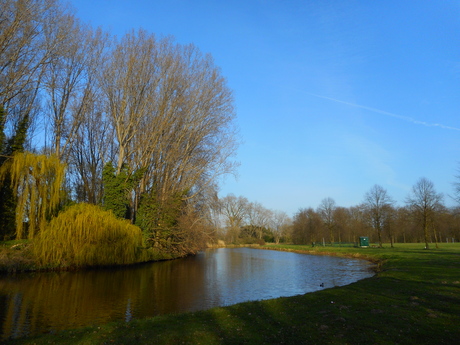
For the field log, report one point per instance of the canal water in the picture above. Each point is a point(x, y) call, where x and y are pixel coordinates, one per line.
point(34, 303)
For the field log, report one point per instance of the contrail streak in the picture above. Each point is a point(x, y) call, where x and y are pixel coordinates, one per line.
point(405, 118)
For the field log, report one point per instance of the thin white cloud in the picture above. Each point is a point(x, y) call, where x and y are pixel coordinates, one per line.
point(405, 118)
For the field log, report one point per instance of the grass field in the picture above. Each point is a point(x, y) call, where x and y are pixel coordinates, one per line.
point(413, 299)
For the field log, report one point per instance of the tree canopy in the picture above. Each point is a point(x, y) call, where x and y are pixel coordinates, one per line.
point(158, 112)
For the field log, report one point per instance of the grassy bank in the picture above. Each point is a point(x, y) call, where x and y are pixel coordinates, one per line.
point(16, 256)
point(414, 299)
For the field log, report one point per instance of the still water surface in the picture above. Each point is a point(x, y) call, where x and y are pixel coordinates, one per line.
point(45, 302)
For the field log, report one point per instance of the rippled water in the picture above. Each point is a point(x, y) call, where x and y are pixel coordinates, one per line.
point(44, 302)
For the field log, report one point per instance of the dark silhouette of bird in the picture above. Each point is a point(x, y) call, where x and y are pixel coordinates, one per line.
point(322, 284)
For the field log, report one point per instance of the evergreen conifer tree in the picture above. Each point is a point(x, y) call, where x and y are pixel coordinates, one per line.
point(117, 188)
point(8, 199)
point(159, 221)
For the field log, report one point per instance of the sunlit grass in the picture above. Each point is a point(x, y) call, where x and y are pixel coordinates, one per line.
point(414, 299)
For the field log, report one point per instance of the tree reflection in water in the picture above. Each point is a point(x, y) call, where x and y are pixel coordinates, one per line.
point(34, 303)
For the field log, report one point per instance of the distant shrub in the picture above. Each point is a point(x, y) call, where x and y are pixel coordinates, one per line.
point(261, 242)
point(251, 240)
point(86, 235)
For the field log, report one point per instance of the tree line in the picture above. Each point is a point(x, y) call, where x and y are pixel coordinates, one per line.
point(424, 218)
point(142, 125)
point(240, 221)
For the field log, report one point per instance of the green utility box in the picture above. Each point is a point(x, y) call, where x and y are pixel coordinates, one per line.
point(364, 241)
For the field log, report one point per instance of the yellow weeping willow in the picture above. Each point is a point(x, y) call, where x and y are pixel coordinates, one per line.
point(86, 235)
point(37, 182)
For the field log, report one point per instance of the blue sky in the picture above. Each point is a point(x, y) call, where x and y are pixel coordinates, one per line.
point(332, 97)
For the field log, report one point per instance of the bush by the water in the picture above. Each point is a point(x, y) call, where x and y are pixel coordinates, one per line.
point(86, 235)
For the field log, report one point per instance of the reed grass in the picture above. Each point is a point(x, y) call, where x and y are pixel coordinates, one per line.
point(85, 235)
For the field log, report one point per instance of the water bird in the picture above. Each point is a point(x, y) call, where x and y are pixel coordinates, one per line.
point(322, 284)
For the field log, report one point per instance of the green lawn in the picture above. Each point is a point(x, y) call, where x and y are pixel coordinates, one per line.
point(414, 299)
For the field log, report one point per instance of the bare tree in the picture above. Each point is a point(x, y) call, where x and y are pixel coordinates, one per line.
point(342, 220)
point(234, 210)
point(129, 80)
point(377, 201)
point(358, 224)
point(326, 211)
point(424, 202)
point(192, 124)
point(259, 218)
point(69, 82)
point(280, 222)
point(172, 114)
point(402, 224)
point(389, 223)
point(456, 185)
point(28, 41)
point(92, 147)
point(307, 227)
